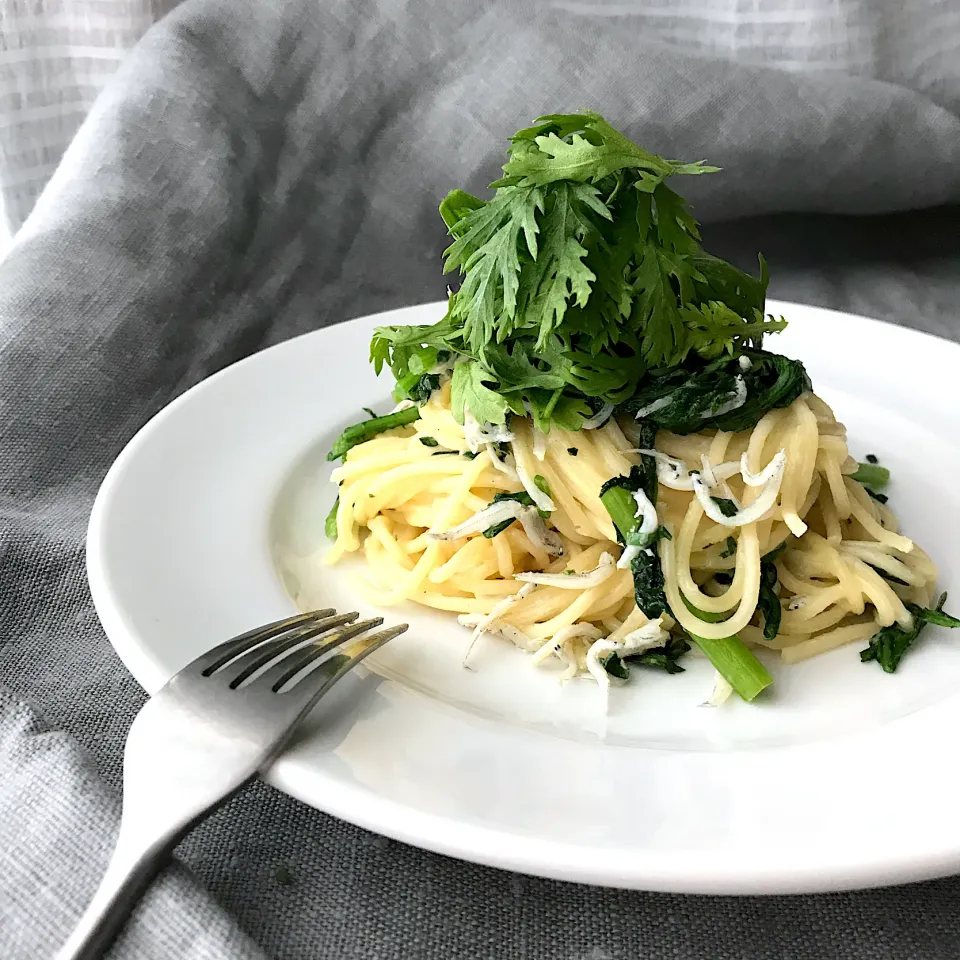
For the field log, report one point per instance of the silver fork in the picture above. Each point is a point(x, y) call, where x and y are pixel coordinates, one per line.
point(203, 736)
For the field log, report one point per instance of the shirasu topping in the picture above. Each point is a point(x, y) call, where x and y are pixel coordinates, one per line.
point(674, 474)
point(491, 623)
point(771, 477)
point(653, 407)
point(477, 434)
point(542, 501)
point(599, 418)
point(497, 513)
point(573, 581)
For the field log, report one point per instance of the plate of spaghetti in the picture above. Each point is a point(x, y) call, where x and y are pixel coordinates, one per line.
point(675, 557)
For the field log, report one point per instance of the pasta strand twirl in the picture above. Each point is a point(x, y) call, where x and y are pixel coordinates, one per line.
point(842, 550)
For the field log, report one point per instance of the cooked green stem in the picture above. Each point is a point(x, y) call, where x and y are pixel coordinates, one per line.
point(736, 663)
point(732, 658)
point(622, 509)
point(368, 429)
point(872, 475)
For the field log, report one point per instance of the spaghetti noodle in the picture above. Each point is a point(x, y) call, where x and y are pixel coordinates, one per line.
point(843, 573)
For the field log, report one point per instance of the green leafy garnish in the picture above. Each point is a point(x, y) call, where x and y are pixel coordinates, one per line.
point(541, 484)
point(729, 549)
point(573, 451)
point(772, 555)
point(663, 658)
point(648, 585)
point(659, 658)
point(368, 429)
point(616, 667)
point(430, 441)
point(583, 281)
point(768, 603)
point(417, 388)
point(687, 401)
point(411, 351)
point(584, 147)
point(936, 616)
point(889, 576)
point(473, 390)
point(889, 646)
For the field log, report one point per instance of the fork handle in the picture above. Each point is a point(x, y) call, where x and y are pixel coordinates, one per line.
point(132, 867)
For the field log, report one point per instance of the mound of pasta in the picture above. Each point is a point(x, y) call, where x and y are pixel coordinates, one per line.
point(455, 525)
point(594, 458)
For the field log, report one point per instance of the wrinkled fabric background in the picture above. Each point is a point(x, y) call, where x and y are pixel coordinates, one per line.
point(256, 170)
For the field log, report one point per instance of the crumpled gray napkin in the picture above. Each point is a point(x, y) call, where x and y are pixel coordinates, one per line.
point(58, 823)
point(257, 170)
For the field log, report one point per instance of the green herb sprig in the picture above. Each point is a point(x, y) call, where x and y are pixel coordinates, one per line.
point(890, 644)
point(583, 281)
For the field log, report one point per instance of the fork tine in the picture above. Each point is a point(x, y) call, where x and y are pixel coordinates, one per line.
point(280, 673)
point(239, 670)
point(223, 653)
point(322, 680)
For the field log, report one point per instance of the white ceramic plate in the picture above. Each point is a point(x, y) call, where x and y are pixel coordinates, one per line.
point(212, 517)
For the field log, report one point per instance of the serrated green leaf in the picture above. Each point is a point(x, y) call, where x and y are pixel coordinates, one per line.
point(562, 124)
point(676, 227)
point(584, 153)
point(656, 316)
point(580, 160)
point(469, 393)
point(583, 280)
point(712, 328)
point(455, 207)
point(723, 282)
point(558, 276)
point(400, 345)
point(488, 253)
point(569, 413)
point(515, 370)
point(611, 378)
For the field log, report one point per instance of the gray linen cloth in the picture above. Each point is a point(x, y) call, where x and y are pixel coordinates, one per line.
point(255, 171)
